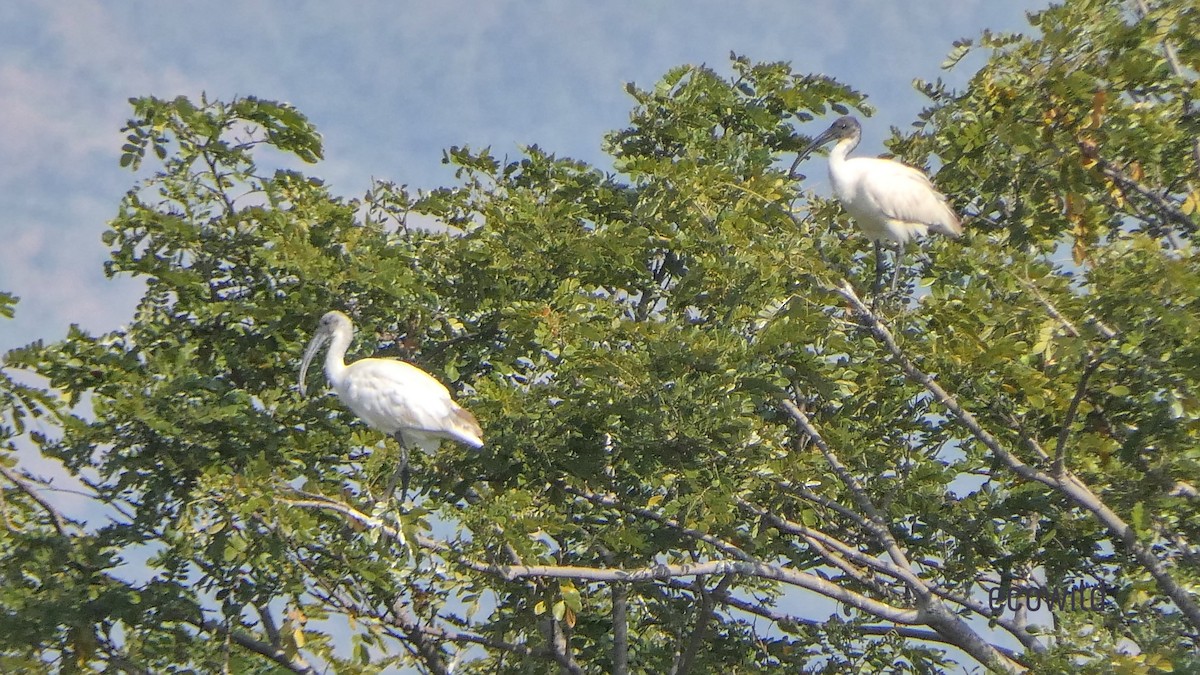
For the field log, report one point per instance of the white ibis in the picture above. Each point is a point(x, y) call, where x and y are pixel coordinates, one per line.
point(392, 396)
point(889, 200)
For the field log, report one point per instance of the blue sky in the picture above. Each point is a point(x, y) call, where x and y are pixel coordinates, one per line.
point(389, 85)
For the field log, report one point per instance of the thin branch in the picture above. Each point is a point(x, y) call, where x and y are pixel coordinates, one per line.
point(455, 636)
point(426, 649)
point(686, 659)
point(814, 536)
point(56, 518)
point(117, 659)
point(1128, 184)
point(1177, 70)
point(826, 544)
point(810, 496)
point(932, 614)
point(877, 526)
point(1069, 485)
point(612, 502)
point(660, 572)
point(761, 610)
point(949, 402)
point(1105, 331)
point(849, 570)
point(1091, 363)
point(296, 663)
point(268, 623)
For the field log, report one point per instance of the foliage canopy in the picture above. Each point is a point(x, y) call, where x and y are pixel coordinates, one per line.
point(708, 449)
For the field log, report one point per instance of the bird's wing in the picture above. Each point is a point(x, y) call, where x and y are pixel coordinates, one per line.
point(905, 194)
point(398, 396)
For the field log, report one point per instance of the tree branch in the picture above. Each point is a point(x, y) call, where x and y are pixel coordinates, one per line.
point(686, 659)
point(1069, 485)
point(1127, 184)
point(1177, 69)
point(761, 610)
point(1091, 363)
point(296, 664)
point(427, 650)
point(876, 525)
point(56, 518)
point(612, 502)
point(560, 647)
point(949, 402)
point(620, 606)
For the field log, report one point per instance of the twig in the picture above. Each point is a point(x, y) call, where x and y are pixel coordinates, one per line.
point(877, 526)
point(1091, 363)
point(612, 502)
point(1105, 331)
point(761, 610)
point(813, 535)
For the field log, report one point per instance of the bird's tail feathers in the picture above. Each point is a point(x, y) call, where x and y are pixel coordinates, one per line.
point(465, 428)
point(949, 226)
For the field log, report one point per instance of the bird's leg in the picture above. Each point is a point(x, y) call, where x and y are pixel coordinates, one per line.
point(877, 286)
point(896, 267)
point(402, 475)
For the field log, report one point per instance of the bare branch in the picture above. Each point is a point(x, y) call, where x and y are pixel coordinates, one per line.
point(949, 402)
point(876, 525)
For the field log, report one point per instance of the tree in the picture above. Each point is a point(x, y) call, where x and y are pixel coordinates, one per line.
point(708, 450)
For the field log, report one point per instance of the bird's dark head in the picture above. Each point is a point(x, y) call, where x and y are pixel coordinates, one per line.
point(846, 126)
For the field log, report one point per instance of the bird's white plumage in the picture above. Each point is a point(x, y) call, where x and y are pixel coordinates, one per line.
point(889, 200)
point(392, 396)
point(397, 397)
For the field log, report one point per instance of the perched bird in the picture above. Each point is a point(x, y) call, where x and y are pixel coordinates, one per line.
point(889, 200)
point(392, 396)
